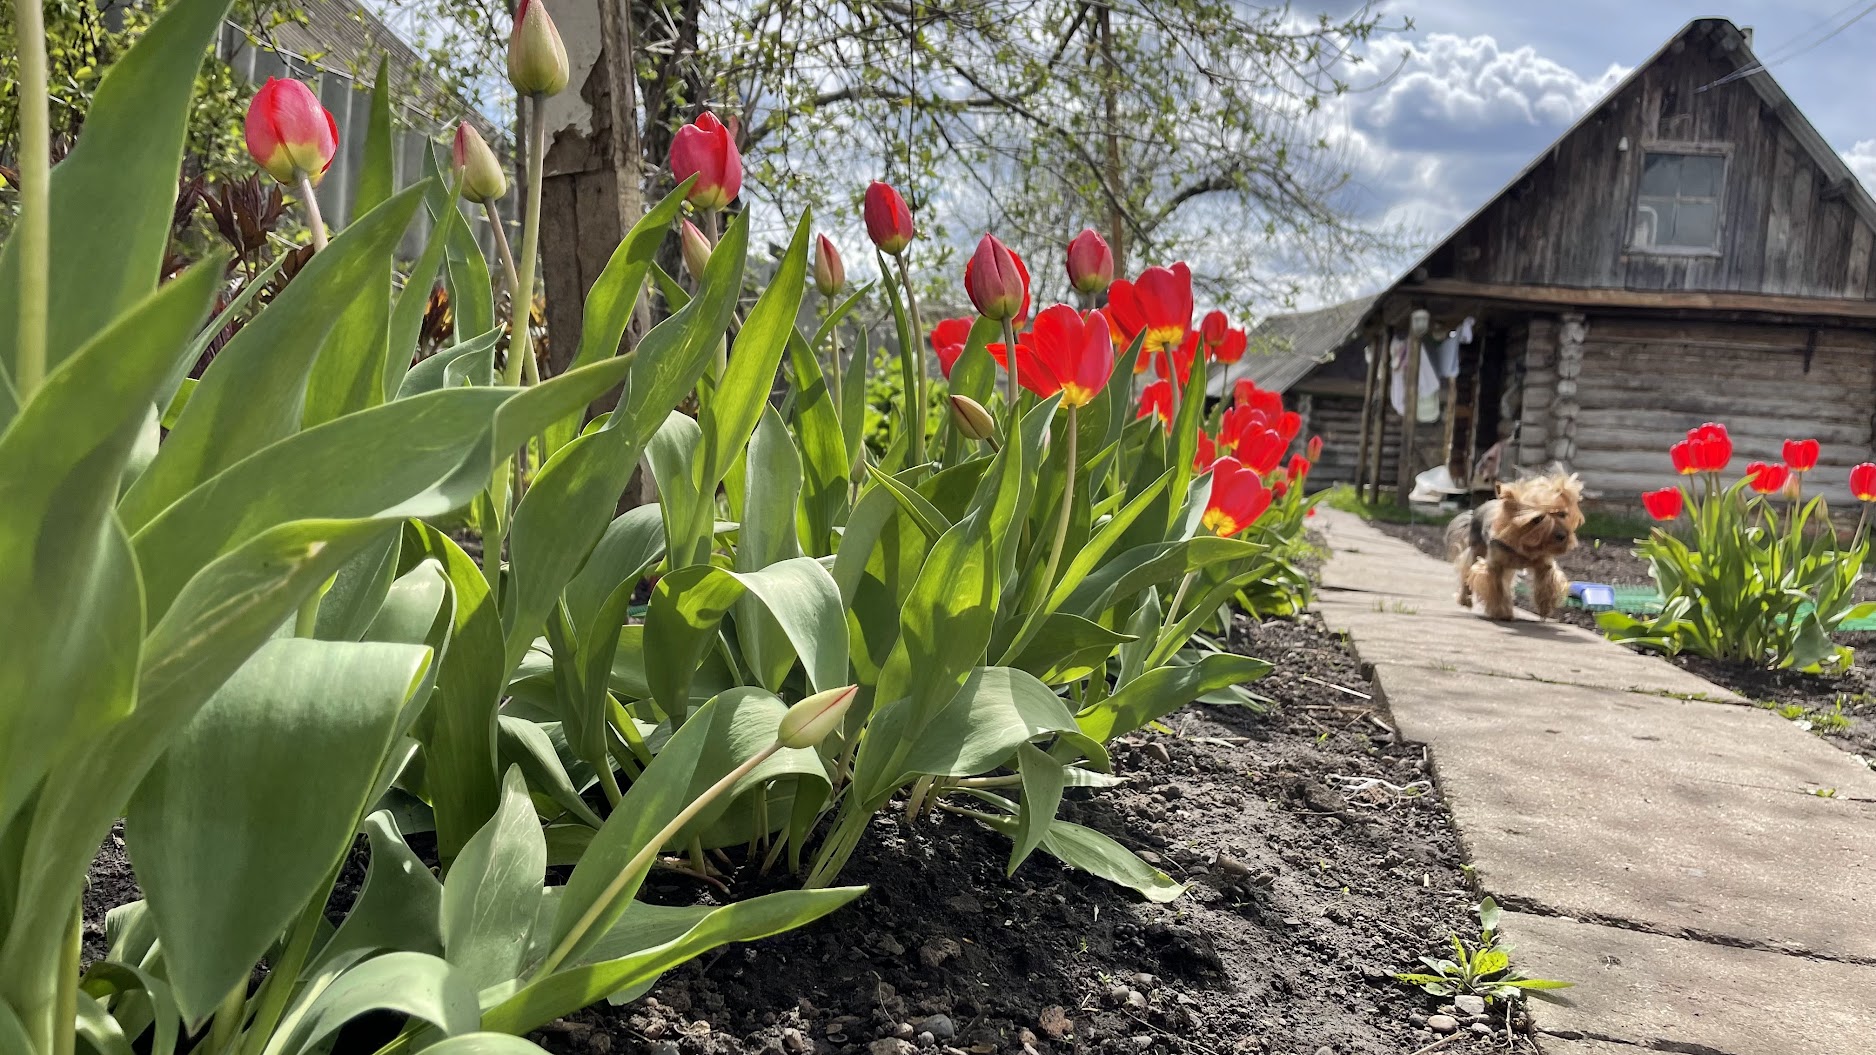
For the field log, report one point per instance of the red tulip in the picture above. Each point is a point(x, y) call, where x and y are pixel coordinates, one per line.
point(1063, 353)
point(948, 340)
point(1246, 394)
point(1280, 486)
point(829, 273)
point(1090, 262)
point(1713, 448)
point(1298, 467)
point(1238, 498)
point(1801, 455)
point(1157, 304)
point(1863, 482)
point(1207, 454)
point(1156, 400)
point(1685, 457)
point(1261, 449)
point(997, 281)
point(537, 57)
point(1314, 448)
point(1233, 347)
point(289, 134)
point(888, 221)
point(705, 149)
point(1213, 328)
point(1767, 479)
point(1288, 424)
point(1664, 504)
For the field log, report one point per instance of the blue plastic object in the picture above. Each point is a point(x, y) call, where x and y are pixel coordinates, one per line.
point(1593, 594)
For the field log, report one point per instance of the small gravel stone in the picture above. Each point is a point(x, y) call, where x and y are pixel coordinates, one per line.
point(1158, 752)
point(939, 1026)
point(904, 1031)
point(889, 1046)
point(925, 1040)
point(1436, 1023)
point(795, 1043)
point(1136, 1000)
point(1482, 1029)
point(1469, 1004)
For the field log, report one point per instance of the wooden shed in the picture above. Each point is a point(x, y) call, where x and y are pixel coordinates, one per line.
point(1690, 250)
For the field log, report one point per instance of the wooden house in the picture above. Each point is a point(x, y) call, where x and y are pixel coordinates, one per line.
point(1690, 250)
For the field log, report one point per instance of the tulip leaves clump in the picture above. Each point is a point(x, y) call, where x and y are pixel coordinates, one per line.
point(243, 615)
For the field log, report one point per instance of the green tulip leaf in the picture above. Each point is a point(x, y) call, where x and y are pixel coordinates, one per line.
point(493, 890)
point(1161, 691)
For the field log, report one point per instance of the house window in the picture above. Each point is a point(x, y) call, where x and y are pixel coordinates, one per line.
point(1678, 205)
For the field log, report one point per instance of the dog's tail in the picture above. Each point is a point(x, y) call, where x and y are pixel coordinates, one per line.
point(1459, 535)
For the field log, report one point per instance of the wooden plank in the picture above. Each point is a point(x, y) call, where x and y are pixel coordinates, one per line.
point(1696, 300)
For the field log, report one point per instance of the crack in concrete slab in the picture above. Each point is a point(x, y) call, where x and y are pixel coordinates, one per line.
point(1681, 1047)
point(1534, 907)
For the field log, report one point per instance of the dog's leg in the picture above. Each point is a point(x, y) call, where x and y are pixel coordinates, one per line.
point(1492, 581)
point(1464, 567)
point(1548, 587)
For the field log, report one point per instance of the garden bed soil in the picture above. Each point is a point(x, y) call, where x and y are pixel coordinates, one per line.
point(1838, 707)
point(1304, 897)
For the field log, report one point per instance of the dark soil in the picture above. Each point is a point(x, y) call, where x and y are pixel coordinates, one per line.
point(1838, 707)
point(1304, 898)
point(1305, 895)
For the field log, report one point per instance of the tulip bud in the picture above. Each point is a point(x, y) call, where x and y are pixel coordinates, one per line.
point(807, 723)
point(972, 419)
point(829, 273)
point(288, 133)
point(1090, 263)
point(706, 148)
point(993, 282)
point(1214, 327)
point(695, 247)
point(481, 171)
point(888, 221)
point(537, 58)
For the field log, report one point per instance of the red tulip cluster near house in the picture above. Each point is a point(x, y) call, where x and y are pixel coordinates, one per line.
point(1708, 450)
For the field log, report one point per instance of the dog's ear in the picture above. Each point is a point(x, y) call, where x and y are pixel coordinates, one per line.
point(1507, 495)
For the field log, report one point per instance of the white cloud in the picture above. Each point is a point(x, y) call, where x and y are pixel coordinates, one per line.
point(1861, 158)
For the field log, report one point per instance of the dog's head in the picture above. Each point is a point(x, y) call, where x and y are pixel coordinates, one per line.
point(1538, 516)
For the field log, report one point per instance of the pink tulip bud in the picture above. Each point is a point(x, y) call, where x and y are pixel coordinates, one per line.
point(480, 170)
point(809, 722)
point(829, 273)
point(695, 246)
point(888, 221)
point(289, 134)
point(537, 58)
point(995, 284)
point(706, 148)
point(971, 418)
point(1090, 262)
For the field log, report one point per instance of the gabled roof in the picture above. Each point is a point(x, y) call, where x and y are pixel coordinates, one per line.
point(1285, 348)
point(1746, 67)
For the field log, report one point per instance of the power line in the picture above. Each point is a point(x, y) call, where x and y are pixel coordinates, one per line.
point(1760, 67)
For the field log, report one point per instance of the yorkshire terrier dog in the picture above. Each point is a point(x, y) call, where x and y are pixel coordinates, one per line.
point(1532, 522)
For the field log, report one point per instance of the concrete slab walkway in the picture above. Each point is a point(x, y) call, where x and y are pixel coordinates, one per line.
point(1704, 871)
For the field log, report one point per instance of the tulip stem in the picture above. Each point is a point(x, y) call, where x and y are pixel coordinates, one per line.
point(1009, 358)
point(1041, 610)
point(520, 344)
point(1179, 598)
point(35, 222)
point(509, 275)
point(1861, 520)
point(314, 221)
point(923, 377)
point(641, 862)
point(833, 341)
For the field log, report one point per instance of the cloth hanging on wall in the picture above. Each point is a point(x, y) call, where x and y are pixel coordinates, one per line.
point(1446, 361)
point(1427, 405)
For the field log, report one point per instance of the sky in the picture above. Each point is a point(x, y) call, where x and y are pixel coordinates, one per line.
point(1478, 87)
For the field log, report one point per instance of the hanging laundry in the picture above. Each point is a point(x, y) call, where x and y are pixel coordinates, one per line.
point(1427, 402)
point(1447, 359)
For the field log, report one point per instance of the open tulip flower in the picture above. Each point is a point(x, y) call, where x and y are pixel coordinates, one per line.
point(948, 341)
point(289, 134)
point(1064, 352)
point(1261, 449)
point(1231, 349)
point(1767, 478)
point(1157, 304)
point(1156, 401)
point(1238, 498)
point(1665, 504)
point(705, 149)
point(1801, 455)
point(1685, 458)
point(1712, 448)
point(1206, 455)
point(1246, 394)
point(1179, 362)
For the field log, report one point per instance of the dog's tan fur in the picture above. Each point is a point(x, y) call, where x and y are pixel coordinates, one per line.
point(1532, 522)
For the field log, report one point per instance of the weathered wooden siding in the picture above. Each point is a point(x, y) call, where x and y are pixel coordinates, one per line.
point(1784, 227)
point(1645, 383)
point(1337, 419)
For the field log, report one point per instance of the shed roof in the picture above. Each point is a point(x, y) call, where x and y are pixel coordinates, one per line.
point(1285, 348)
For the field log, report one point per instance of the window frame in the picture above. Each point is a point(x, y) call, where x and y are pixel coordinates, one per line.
point(1723, 151)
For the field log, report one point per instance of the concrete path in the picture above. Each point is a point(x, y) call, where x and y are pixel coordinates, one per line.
point(1703, 870)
